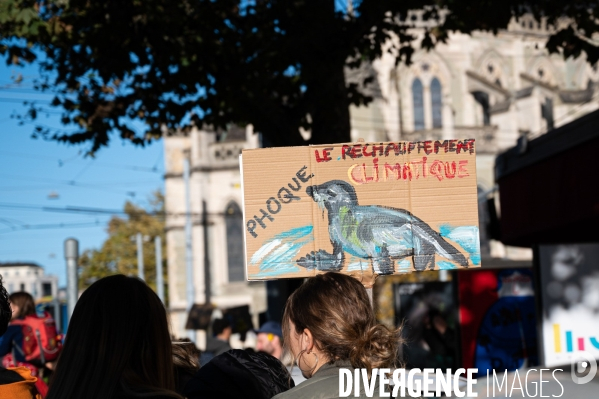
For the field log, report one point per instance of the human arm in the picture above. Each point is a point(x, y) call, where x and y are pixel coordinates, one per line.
point(13, 333)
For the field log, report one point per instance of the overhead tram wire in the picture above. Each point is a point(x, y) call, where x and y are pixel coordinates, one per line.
point(26, 227)
point(78, 209)
point(82, 171)
point(153, 169)
point(51, 226)
point(102, 187)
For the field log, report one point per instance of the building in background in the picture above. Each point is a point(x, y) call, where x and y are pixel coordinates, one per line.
point(499, 89)
point(28, 277)
point(509, 94)
point(217, 232)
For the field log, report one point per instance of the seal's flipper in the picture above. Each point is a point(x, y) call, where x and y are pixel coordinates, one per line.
point(424, 262)
point(322, 260)
point(383, 264)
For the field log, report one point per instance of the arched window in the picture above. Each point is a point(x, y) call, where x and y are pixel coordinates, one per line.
point(482, 98)
point(437, 103)
point(484, 220)
point(547, 113)
point(417, 97)
point(234, 224)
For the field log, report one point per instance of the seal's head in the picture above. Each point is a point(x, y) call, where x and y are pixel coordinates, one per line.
point(333, 194)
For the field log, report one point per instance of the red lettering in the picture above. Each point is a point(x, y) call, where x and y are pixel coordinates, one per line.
point(407, 171)
point(368, 178)
point(367, 154)
point(436, 170)
point(462, 171)
point(378, 148)
point(417, 168)
point(428, 147)
point(345, 150)
point(470, 145)
point(326, 155)
point(439, 144)
point(393, 168)
point(395, 147)
point(450, 170)
point(462, 146)
point(356, 151)
point(451, 145)
point(356, 177)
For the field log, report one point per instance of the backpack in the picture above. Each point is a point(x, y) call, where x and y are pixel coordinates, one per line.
point(40, 339)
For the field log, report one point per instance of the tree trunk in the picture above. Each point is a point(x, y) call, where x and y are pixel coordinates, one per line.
point(330, 116)
point(329, 110)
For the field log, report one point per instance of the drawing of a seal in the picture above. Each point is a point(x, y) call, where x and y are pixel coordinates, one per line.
point(378, 233)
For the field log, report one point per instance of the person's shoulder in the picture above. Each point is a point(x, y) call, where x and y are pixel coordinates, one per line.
point(13, 328)
point(9, 376)
point(148, 396)
point(18, 383)
point(13, 331)
point(321, 387)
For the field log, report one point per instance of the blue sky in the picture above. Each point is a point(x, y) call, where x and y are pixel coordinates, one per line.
point(40, 173)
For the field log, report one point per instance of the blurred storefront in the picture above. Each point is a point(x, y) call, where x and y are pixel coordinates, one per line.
point(512, 315)
point(548, 186)
point(481, 318)
point(550, 202)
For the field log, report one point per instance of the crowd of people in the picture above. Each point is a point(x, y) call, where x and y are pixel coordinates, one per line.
point(118, 345)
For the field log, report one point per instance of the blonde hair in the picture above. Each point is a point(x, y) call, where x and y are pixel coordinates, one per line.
point(337, 311)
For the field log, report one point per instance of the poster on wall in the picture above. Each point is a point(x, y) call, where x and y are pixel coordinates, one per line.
point(364, 209)
point(428, 313)
point(570, 301)
point(498, 319)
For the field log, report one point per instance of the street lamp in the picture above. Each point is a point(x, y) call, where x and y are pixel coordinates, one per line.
point(71, 254)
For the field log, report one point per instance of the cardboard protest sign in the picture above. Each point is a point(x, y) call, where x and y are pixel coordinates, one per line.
point(363, 209)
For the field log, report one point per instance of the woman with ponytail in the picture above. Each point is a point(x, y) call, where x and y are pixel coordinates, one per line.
point(329, 324)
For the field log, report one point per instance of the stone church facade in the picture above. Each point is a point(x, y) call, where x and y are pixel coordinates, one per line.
point(215, 207)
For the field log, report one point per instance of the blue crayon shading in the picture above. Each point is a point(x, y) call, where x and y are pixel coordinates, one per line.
point(278, 254)
point(466, 237)
point(444, 265)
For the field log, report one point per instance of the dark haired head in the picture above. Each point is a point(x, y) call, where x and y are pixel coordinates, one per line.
point(24, 302)
point(117, 344)
point(335, 308)
point(240, 374)
point(219, 325)
point(5, 310)
point(186, 355)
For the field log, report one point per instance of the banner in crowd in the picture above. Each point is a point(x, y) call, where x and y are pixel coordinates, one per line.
point(363, 209)
point(428, 314)
point(498, 319)
point(570, 302)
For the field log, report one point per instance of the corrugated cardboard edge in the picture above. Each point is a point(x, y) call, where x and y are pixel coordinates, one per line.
point(245, 248)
